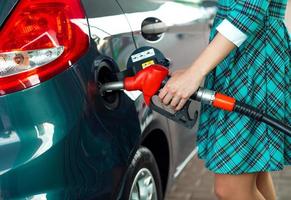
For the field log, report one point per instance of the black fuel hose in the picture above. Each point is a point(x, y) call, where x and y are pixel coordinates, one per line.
point(260, 115)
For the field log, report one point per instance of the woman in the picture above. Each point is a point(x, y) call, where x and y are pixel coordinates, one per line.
point(248, 58)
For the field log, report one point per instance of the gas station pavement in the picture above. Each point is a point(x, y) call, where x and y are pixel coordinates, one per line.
point(196, 183)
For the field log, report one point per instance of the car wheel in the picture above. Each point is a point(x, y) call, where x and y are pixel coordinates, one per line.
point(143, 180)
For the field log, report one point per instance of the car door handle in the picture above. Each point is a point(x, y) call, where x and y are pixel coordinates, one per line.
point(159, 27)
point(154, 28)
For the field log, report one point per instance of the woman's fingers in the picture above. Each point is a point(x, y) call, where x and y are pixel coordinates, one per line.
point(167, 99)
point(179, 88)
point(175, 101)
point(163, 93)
point(181, 104)
point(167, 93)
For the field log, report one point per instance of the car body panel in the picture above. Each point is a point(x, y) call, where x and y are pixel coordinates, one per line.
point(5, 8)
point(58, 144)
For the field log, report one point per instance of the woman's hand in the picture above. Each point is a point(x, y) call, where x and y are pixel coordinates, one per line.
point(184, 83)
point(179, 88)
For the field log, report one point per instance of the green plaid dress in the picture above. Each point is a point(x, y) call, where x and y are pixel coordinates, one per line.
point(257, 73)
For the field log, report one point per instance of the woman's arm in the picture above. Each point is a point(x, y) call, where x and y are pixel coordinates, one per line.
point(182, 85)
point(247, 16)
point(214, 53)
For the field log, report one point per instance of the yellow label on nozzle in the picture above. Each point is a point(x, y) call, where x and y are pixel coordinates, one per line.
point(146, 64)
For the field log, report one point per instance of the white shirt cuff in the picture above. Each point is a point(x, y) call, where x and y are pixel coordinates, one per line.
point(231, 32)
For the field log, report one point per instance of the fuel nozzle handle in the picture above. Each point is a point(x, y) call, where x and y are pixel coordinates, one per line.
point(210, 97)
point(151, 79)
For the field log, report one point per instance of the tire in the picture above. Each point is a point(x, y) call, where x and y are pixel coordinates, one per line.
point(143, 167)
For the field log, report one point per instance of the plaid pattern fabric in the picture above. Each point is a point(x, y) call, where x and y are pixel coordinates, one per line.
point(257, 73)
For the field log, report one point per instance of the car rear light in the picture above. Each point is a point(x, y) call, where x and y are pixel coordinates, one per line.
point(38, 41)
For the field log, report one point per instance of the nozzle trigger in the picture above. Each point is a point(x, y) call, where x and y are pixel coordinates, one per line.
point(182, 116)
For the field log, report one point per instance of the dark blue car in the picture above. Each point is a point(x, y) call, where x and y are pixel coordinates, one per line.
point(59, 138)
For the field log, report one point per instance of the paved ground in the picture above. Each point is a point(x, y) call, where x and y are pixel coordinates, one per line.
point(196, 183)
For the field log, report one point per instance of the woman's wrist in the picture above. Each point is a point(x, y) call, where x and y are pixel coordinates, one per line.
point(198, 70)
point(203, 64)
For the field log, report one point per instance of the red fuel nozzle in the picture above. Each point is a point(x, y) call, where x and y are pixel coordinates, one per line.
point(148, 81)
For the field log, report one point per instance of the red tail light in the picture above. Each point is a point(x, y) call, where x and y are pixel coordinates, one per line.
point(38, 41)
